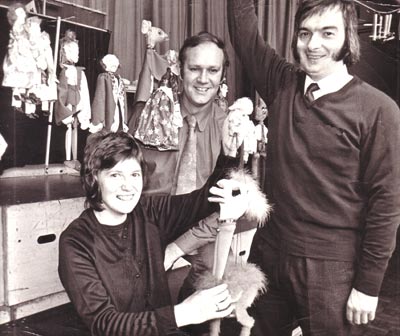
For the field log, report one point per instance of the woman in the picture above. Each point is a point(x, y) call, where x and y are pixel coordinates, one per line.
point(111, 257)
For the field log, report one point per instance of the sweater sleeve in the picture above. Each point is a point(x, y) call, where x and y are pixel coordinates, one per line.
point(380, 167)
point(81, 280)
point(260, 62)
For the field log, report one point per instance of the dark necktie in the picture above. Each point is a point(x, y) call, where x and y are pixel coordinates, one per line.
point(309, 92)
point(186, 179)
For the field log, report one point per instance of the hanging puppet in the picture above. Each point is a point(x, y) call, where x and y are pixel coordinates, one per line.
point(73, 104)
point(220, 99)
point(28, 66)
point(161, 117)
point(109, 104)
point(43, 88)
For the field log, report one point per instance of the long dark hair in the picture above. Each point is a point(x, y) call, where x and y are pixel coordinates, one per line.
point(350, 52)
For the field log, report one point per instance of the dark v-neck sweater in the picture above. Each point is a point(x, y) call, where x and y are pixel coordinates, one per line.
point(333, 166)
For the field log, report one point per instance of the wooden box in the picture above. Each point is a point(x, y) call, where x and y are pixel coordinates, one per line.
point(29, 256)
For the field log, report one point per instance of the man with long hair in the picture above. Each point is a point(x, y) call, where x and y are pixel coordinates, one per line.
point(332, 173)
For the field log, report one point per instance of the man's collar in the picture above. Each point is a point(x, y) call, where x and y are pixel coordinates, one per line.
point(331, 83)
point(202, 117)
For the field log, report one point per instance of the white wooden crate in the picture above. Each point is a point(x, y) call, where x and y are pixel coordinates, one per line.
point(29, 258)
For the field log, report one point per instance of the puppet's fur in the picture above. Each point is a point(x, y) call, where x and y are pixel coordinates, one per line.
point(246, 281)
point(259, 209)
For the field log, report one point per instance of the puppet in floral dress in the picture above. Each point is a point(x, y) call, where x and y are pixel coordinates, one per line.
point(73, 104)
point(109, 104)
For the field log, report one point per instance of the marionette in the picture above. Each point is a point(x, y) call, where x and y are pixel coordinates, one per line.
point(239, 129)
point(28, 65)
point(73, 103)
point(43, 88)
point(19, 65)
point(220, 99)
point(161, 117)
point(232, 247)
point(109, 104)
point(261, 133)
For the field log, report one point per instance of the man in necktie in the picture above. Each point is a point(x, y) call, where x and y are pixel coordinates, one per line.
point(333, 173)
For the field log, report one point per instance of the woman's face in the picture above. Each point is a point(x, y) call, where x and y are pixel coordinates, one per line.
point(121, 187)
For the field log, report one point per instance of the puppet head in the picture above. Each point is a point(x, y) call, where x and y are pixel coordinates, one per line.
point(110, 63)
point(33, 27)
point(153, 35)
point(16, 14)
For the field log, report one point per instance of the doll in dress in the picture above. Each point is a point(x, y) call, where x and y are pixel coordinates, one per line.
point(109, 104)
point(159, 85)
point(73, 103)
point(28, 66)
point(43, 88)
point(19, 64)
point(161, 116)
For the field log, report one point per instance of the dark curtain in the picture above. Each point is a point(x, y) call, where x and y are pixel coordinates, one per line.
point(183, 18)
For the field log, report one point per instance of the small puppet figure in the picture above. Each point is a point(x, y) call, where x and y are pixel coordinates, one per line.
point(28, 66)
point(109, 104)
point(155, 65)
point(73, 104)
point(220, 99)
point(161, 116)
point(232, 247)
point(19, 65)
point(261, 132)
point(43, 88)
point(238, 129)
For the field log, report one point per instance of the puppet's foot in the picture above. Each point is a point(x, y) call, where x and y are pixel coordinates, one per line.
point(73, 164)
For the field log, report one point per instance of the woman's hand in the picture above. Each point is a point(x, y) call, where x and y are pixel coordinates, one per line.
point(204, 305)
point(232, 207)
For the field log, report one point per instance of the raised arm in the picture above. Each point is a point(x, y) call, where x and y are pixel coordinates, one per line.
point(260, 62)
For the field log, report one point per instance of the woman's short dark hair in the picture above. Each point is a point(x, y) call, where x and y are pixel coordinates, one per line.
point(201, 38)
point(103, 151)
point(350, 52)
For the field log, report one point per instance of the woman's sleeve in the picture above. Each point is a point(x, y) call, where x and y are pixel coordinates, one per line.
point(88, 294)
point(260, 62)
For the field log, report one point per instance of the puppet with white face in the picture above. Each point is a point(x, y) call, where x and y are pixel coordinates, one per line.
point(28, 66)
point(109, 104)
point(73, 104)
